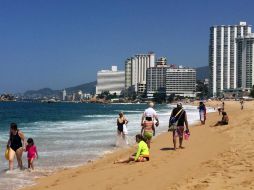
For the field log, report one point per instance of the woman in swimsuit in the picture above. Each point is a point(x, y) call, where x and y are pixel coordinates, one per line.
point(16, 143)
point(148, 130)
point(121, 120)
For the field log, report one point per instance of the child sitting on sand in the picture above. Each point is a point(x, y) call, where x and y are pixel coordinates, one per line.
point(142, 154)
point(148, 130)
point(31, 153)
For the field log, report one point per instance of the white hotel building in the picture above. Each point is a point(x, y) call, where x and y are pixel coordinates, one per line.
point(181, 82)
point(223, 56)
point(245, 61)
point(135, 71)
point(110, 80)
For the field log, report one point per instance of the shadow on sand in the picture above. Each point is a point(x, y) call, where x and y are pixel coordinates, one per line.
point(167, 149)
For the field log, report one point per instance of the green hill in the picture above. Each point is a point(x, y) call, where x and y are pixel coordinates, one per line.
point(86, 88)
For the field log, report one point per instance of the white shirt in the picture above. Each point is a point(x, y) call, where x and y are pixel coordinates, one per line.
point(150, 112)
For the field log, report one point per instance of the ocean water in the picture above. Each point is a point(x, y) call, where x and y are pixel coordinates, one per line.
point(68, 135)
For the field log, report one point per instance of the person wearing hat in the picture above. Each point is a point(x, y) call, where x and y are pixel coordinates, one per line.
point(181, 118)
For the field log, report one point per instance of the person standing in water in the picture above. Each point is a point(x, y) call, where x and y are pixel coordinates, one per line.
point(121, 121)
point(32, 153)
point(202, 112)
point(181, 121)
point(16, 144)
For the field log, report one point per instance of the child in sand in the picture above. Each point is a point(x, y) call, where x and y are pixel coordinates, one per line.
point(31, 153)
point(142, 154)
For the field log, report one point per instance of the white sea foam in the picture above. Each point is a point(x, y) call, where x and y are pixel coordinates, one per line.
point(72, 143)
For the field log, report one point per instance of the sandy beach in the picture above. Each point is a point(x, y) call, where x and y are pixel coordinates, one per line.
point(213, 158)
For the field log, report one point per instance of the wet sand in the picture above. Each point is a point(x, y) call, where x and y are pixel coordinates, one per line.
point(213, 158)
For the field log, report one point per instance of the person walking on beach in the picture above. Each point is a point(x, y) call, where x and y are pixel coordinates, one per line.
point(16, 145)
point(32, 153)
point(150, 114)
point(241, 102)
point(219, 110)
point(142, 154)
point(181, 118)
point(223, 105)
point(202, 112)
point(121, 126)
point(148, 130)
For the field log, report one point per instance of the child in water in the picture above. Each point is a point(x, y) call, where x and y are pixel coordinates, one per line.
point(142, 154)
point(31, 153)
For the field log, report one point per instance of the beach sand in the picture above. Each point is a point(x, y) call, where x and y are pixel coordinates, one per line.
point(213, 158)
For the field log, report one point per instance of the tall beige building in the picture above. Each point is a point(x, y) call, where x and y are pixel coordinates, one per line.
point(135, 71)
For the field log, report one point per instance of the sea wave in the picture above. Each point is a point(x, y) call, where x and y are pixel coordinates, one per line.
point(71, 142)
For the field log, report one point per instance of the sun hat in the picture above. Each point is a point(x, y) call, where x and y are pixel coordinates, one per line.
point(179, 104)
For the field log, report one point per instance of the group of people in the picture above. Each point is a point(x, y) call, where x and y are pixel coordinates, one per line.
point(178, 122)
point(16, 145)
point(221, 109)
point(149, 121)
point(224, 120)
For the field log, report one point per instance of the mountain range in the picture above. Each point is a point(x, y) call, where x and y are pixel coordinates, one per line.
point(86, 88)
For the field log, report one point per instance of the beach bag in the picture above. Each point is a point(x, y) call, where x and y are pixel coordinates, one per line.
point(6, 154)
point(173, 121)
point(186, 135)
point(125, 130)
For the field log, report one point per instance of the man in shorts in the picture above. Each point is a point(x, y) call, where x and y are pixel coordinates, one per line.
point(182, 120)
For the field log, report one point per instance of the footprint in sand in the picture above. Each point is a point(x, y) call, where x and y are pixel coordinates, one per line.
point(127, 180)
point(74, 175)
point(200, 186)
point(140, 172)
point(109, 187)
point(246, 183)
point(154, 166)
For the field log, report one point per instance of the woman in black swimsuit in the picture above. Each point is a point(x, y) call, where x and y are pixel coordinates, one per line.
point(16, 143)
point(121, 120)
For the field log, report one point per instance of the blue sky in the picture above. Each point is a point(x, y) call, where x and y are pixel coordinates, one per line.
point(60, 43)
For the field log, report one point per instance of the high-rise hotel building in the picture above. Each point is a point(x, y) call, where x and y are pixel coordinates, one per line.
point(135, 71)
point(111, 81)
point(181, 82)
point(245, 61)
point(156, 78)
point(223, 56)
